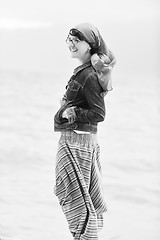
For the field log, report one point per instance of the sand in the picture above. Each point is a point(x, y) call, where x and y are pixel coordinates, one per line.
point(129, 140)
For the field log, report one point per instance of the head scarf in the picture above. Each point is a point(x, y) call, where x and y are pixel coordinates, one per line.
point(92, 36)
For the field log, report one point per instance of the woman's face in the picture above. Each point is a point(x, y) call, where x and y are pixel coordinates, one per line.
point(79, 49)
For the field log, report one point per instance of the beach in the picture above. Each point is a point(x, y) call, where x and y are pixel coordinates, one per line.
point(129, 141)
point(35, 66)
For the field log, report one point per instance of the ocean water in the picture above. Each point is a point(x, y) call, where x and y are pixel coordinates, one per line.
point(130, 158)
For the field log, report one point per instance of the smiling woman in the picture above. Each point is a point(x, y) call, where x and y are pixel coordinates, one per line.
point(79, 48)
point(78, 170)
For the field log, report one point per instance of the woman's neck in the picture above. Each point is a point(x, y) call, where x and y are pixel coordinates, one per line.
point(85, 60)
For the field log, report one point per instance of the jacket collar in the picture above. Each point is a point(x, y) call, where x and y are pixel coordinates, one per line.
point(81, 67)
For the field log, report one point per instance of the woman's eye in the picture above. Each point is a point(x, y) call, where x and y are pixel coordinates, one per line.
point(73, 41)
point(76, 41)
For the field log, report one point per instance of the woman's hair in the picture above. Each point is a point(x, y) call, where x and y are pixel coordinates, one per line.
point(89, 33)
point(74, 32)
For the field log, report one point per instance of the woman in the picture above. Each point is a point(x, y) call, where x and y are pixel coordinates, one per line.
point(78, 171)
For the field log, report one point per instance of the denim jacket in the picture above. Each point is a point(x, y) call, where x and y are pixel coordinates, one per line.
point(84, 92)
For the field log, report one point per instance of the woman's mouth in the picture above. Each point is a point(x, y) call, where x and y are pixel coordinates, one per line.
point(73, 49)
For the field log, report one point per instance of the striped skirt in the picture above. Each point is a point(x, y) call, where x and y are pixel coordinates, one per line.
point(78, 184)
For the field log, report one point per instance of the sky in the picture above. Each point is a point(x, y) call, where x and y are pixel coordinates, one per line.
point(31, 30)
point(36, 13)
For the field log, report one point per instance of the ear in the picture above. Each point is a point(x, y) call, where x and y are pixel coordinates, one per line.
point(88, 50)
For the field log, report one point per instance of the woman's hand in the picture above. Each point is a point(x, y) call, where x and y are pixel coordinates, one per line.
point(70, 114)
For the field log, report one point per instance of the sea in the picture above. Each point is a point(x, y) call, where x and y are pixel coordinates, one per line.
point(130, 157)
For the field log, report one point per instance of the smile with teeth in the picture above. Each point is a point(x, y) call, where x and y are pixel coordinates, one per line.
point(73, 49)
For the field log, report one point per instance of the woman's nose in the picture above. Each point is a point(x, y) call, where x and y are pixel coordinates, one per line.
point(71, 43)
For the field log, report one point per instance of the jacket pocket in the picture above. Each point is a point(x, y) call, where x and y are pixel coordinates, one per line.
point(72, 90)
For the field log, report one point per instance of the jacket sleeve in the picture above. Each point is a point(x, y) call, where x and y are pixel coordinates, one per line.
point(95, 111)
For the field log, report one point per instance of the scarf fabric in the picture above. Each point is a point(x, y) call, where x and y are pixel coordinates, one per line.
point(103, 60)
